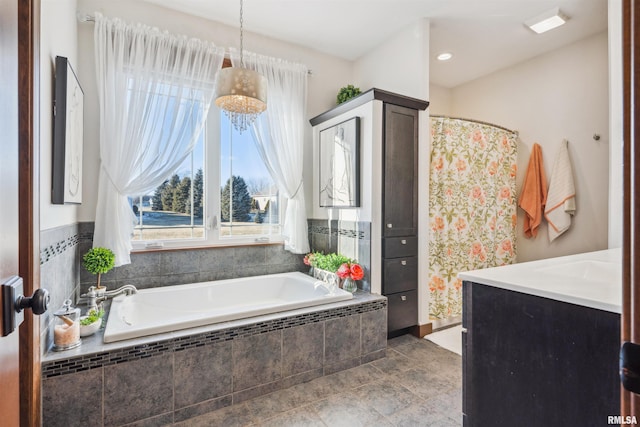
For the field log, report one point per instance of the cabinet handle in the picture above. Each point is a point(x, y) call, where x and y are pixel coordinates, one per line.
point(389, 225)
point(403, 242)
point(403, 262)
point(403, 297)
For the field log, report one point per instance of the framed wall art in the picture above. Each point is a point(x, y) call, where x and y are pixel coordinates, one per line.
point(67, 135)
point(340, 165)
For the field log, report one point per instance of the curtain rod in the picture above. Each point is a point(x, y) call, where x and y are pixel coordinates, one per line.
point(84, 17)
point(515, 132)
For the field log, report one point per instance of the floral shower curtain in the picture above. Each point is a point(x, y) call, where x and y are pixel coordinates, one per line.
point(472, 206)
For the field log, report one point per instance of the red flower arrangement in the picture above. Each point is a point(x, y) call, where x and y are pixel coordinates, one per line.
point(352, 270)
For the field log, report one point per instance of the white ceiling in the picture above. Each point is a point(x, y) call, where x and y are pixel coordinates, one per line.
point(483, 35)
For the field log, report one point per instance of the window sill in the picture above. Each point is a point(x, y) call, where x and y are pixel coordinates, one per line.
point(222, 245)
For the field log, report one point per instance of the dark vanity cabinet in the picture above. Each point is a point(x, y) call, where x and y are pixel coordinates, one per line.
point(400, 215)
point(531, 361)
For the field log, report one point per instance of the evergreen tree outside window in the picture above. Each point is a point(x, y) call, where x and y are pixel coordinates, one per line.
point(187, 210)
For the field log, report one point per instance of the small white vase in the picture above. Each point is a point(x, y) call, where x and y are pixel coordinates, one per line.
point(90, 329)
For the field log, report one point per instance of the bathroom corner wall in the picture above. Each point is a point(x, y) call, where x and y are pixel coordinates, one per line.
point(616, 136)
point(562, 94)
point(58, 37)
point(349, 238)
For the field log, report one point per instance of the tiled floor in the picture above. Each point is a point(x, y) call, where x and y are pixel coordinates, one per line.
point(417, 384)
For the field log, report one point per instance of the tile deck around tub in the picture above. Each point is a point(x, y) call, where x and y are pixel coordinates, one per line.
point(94, 353)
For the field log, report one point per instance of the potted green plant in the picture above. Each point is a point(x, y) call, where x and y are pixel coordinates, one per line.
point(99, 261)
point(91, 322)
point(325, 266)
point(346, 93)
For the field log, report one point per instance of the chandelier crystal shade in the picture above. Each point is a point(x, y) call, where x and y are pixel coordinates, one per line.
point(241, 93)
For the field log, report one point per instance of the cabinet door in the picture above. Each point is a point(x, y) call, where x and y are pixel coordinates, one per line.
point(399, 274)
point(402, 310)
point(395, 247)
point(400, 207)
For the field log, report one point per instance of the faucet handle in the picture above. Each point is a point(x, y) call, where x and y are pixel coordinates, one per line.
point(91, 293)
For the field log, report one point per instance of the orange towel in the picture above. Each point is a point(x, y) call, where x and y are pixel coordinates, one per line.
point(534, 193)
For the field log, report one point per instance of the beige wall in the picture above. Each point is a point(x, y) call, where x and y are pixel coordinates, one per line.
point(615, 124)
point(562, 94)
point(439, 100)
point(58, 38)
point(400, 64)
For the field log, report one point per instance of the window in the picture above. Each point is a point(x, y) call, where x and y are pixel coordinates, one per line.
point(175, 210)
point(221, 193)
point(249, 202)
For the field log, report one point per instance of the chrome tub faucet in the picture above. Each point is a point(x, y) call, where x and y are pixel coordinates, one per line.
point(96, 296)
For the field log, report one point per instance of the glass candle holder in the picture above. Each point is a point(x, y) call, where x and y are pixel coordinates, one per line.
point(66, 330)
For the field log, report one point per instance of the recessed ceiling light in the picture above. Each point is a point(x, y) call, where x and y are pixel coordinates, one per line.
point(445, 56)
point(547, 21)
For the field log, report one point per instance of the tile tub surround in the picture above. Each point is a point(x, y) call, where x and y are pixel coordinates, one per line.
point(59, 272)
point(167, 267)
point(350, 238)
point(179, 375)
point(62, 274)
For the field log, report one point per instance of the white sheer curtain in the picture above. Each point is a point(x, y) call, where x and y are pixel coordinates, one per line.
point(154, 91)
point(279, 135)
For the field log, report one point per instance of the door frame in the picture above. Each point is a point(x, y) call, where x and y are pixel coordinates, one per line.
point(29, 207)
point(630, 321)
point(29, 204)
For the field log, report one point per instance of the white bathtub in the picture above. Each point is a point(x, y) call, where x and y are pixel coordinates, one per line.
point(171, 308)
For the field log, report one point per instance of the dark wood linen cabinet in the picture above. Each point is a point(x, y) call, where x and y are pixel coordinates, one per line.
point(400, 216)
point(389, 129)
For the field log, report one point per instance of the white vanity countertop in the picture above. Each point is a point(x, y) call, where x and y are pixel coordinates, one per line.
point(592, 279)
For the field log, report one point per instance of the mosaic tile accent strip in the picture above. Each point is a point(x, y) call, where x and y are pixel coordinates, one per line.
point(97, 360)
point(360, 235)
point(58, 248)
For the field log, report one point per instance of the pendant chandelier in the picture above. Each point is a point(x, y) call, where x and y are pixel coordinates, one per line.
point(241, 93)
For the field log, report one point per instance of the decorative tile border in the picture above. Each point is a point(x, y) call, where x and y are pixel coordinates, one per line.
point(142, 351)
point(346, 232)
point(58, 248)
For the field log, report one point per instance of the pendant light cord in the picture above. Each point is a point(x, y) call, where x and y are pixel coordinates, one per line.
point(241, 35)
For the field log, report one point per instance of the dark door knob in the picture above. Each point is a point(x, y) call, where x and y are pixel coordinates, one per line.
point(13, 302)
point(38, 302)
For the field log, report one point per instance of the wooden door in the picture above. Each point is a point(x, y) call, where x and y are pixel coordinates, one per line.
point(630, 325)
point(29, 204)
point(19, 208)
point(9, 194)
